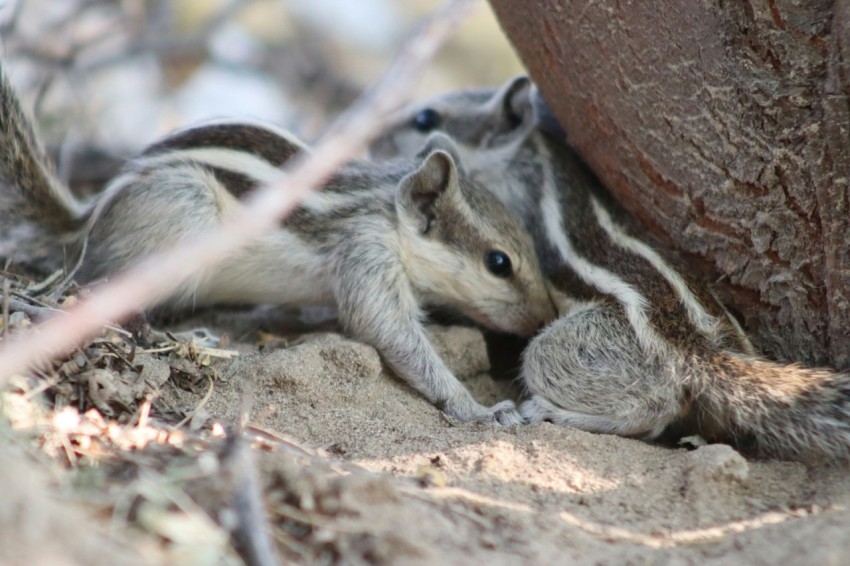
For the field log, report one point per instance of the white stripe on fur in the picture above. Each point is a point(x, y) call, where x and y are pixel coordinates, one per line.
point(633, 302)
point(704, 322)
point(249, 165)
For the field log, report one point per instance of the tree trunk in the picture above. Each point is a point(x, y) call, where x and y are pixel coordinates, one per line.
point(724, 127)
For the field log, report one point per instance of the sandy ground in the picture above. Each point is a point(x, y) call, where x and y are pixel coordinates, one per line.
point(358, 468)
point(453, 493)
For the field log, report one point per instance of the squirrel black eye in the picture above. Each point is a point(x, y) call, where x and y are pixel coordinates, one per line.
point(426, 120)
point(498, 263)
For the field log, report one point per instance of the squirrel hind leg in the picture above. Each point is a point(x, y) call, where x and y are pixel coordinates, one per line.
point(538, 409)
point(587, 370)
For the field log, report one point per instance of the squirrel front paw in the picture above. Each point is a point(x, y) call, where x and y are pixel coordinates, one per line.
point(467, 410)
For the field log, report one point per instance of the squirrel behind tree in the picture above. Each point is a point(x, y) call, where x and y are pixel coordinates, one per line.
point(640, 347)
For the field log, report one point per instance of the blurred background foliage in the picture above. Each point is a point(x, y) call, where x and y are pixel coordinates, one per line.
point(110, 76)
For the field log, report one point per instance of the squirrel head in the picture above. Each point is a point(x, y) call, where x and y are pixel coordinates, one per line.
point(465, 249)
point(476, 119)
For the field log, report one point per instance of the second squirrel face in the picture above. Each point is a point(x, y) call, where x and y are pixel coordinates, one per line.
point(479, 119)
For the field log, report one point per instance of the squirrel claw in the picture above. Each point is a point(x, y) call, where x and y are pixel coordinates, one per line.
point(502, 413)
point(505, 413)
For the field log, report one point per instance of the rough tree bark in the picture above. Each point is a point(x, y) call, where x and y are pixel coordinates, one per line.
point(724, 127)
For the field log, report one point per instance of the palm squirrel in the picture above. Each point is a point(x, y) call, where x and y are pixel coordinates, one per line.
point(639, 347)
point(379, 240)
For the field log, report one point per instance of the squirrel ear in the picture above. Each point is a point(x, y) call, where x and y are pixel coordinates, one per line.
point(420, 192)
point(511, 105)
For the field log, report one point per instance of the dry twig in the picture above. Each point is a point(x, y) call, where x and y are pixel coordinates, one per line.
point(154, 279)
point(253, 531)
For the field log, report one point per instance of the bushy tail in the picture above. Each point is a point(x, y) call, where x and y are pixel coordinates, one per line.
point(28, 187)
point(778, 410)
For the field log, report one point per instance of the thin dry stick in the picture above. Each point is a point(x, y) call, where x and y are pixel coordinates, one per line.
point(5, 299)
point(152, 280)
point(206, 398)
point(253, 530)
